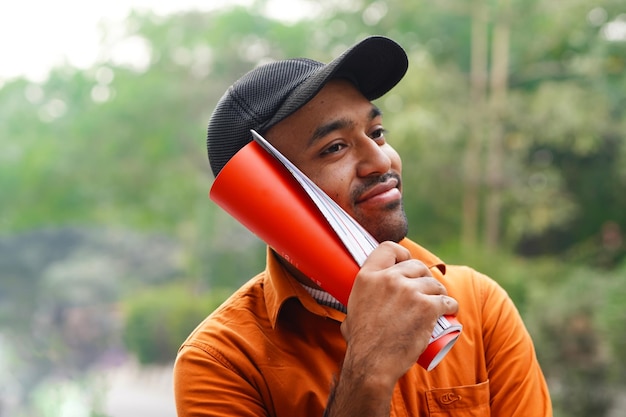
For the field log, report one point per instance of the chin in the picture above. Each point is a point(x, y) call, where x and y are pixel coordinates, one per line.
point(391, 235)
point(389, 230)
point(389, 225)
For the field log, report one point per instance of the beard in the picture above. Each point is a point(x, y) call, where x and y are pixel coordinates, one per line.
point(389, 222)
point(392, 225)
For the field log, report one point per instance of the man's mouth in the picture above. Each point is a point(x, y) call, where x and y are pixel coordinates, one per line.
point(382, 192)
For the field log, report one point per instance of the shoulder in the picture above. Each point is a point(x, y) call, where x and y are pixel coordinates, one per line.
point(244, 308)
point(212, 366)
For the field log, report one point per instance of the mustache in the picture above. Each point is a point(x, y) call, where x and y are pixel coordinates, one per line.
point(371, 182)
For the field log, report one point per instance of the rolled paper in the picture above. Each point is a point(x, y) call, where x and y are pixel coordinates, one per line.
point(261, 193)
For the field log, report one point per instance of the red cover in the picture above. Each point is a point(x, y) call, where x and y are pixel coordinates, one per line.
point(258, 191)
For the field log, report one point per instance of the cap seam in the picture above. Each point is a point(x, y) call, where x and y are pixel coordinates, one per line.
point(243, 105)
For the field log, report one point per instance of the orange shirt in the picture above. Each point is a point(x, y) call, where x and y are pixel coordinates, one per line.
point(271, 350)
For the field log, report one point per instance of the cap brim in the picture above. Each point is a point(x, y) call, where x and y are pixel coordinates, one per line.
point(375, 65)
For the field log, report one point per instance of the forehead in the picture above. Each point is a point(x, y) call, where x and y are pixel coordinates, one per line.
point(338, 100)
point(335, 94)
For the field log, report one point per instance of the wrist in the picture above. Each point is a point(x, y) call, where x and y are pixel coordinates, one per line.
point(368, 374)
point(360, 392)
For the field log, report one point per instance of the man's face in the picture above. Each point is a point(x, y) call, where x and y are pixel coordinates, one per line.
point(337, 140)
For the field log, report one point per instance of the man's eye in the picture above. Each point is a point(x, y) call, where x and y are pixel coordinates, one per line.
point(333, 148)
point(378, 133)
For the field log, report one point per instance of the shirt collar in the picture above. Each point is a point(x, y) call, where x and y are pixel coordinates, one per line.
point(280, 286)
point(428, 258)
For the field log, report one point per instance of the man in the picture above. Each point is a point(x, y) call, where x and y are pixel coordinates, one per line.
point(281, 346)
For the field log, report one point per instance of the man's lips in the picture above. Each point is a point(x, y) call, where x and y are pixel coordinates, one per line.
point(383, 191)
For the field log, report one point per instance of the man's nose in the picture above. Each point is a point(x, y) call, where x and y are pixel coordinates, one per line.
point(372, 158)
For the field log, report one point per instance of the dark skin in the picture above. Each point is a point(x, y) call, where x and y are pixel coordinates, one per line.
point(337, 139)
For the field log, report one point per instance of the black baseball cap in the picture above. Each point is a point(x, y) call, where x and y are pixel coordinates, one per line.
point(271, 92)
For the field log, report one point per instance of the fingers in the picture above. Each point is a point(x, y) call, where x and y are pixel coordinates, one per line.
point(411, 268)
point(449, 306)
point(387, 254)
point(397, 263)
point(391, 262)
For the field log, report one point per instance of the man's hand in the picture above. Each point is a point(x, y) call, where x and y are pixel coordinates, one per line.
point(392, 310)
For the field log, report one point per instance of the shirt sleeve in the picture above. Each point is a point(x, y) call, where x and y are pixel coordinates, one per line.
point(518, 387)
point(205, 384)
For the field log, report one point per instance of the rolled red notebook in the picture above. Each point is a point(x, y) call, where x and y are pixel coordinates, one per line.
point(260, 193)
point(263, 195)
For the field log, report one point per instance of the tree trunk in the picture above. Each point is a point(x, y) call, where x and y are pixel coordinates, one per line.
point(478, 85)
point(495, 152)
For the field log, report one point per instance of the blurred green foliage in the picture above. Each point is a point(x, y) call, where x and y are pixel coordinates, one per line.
point(120, 146)
point(159, 319)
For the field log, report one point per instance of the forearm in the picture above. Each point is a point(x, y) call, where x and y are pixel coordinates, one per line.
point(359, 392)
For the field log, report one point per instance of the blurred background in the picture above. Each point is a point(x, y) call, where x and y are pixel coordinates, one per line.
point(511, 122)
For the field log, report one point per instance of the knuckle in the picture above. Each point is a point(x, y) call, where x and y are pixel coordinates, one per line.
point(437, 286)
point(450, 304)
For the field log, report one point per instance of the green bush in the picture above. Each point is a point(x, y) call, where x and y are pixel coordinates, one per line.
point(577, 325)
point(159, 320)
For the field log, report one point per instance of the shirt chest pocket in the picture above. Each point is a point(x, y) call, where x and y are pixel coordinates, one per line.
point(465, 401)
